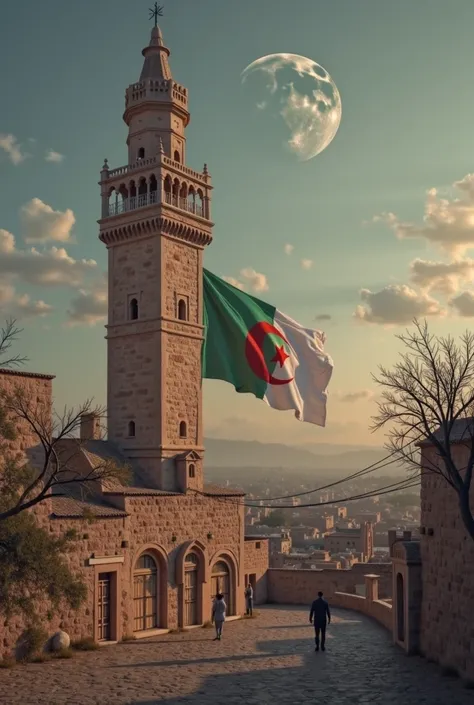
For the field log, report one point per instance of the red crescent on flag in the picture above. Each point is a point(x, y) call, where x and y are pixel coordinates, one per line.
point(254, 352)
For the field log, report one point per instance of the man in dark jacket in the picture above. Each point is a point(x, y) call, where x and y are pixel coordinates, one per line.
point(320, 613)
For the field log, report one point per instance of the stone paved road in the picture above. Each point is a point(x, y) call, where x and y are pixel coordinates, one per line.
point(269, 659)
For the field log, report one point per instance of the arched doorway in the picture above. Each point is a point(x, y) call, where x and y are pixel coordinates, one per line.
point(145, 593)
point(221, 581)
point(191, 590)
point(400, 608)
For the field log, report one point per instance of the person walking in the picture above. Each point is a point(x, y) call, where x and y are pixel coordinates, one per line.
point(218, 615)
point(320, 615)
point(249, 599)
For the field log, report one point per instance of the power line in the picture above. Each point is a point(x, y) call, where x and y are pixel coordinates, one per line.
point(396, 486)
point(359, 473)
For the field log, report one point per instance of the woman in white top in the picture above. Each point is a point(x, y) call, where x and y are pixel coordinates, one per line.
point(218, 615)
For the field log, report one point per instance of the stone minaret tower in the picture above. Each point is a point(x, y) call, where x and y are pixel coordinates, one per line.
point(155, 223)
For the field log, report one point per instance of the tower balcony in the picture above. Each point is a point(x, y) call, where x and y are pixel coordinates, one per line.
point(125, 205)
point(156, 180)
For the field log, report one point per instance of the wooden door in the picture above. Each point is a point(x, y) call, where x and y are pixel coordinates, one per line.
point(191, 597)
point(104, 600)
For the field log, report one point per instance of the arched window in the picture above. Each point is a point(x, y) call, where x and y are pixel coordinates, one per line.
point(141, 153)
point(192, 471)
point(145, 593)
point(176, 156)
point(182, 310)
point(133, 313)
point(183, 431)
point(131, 429)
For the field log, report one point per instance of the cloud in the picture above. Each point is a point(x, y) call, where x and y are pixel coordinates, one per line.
point(447, 222)
point(306, 263)
point(323, 317)
point(440, 276)
point(42, 223)
point(351, 397)
point(234, 282)
point(20, 306)
point(89, 307)
point(53, 267)
point(463, 304)
point(13, 149)
point(256, 280)
point(289, 249)
point(396, 304)
point(55, 157)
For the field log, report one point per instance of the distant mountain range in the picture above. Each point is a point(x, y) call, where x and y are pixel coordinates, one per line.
point(222, 453)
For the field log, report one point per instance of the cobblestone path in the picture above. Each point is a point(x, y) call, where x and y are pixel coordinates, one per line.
point(269, 659)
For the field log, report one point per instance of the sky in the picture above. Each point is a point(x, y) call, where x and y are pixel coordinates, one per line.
point(374, 230)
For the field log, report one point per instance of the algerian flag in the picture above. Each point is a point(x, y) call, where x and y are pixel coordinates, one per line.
point(260, 350)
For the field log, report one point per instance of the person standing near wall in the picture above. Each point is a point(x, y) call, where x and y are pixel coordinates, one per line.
point(249, 599)
point(321, 615)
point(218, 615)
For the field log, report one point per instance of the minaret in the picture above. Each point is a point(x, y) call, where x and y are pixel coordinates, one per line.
point(155, 223)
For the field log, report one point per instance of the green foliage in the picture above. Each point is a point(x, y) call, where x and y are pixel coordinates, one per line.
point(32, 643)
point(86, 644)
point(33, 567)
point(275, 518)
point(7, 663)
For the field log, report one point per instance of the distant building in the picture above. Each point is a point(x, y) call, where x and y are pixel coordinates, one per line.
point(359, 541)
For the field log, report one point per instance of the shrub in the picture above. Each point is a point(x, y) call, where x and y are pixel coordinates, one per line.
point(7, 663)
point(86, 644)
point(31, 643)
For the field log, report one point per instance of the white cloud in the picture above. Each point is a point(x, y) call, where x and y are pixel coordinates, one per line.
point(234, 282)
point(256, 280)
point(89, 307)
point(52, 267)
point(396, 304)
point(52, 156)
point(289, 249)
point(443, 277)
point(351, 397)
point(42, 223)
point(306, 263)
point(463, 304)
point(447, 221)
point(13, 149)
point(20, 305)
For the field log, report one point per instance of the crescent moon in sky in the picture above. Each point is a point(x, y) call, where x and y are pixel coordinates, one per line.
point(254, 352)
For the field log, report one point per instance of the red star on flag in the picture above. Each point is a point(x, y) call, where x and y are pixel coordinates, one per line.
point(280, 355)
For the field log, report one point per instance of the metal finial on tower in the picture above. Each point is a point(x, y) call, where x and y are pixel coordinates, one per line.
point(155, 12)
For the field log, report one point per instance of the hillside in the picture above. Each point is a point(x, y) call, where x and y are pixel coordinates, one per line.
point(233, 454)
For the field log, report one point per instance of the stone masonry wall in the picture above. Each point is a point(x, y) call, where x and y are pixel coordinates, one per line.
point(256, 562)
point(38, 391)
point(300, 587)
point(447, 625)
point(164, 526)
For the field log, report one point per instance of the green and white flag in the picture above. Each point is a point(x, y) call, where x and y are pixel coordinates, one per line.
point(260, 350)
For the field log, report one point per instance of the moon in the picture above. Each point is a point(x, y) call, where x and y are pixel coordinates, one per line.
point(254, 352)
point(302, 94)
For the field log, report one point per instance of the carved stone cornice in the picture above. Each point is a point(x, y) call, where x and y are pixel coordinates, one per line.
point(159, 225)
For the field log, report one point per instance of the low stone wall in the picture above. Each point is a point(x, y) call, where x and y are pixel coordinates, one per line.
point(300, 587)
point(256, 562)
point(379, 610)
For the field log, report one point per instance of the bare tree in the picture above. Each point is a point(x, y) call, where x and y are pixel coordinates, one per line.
point(57, 460)
point(8, 335)
point(429, 396)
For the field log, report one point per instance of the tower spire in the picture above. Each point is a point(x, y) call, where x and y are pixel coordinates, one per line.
point(156, 65)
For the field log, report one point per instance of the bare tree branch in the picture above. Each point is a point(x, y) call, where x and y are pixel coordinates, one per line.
point(8, 335)
point(63, 463)
point(427, 402)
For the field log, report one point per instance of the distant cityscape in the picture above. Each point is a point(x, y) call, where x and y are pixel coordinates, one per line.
point(336, 534)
